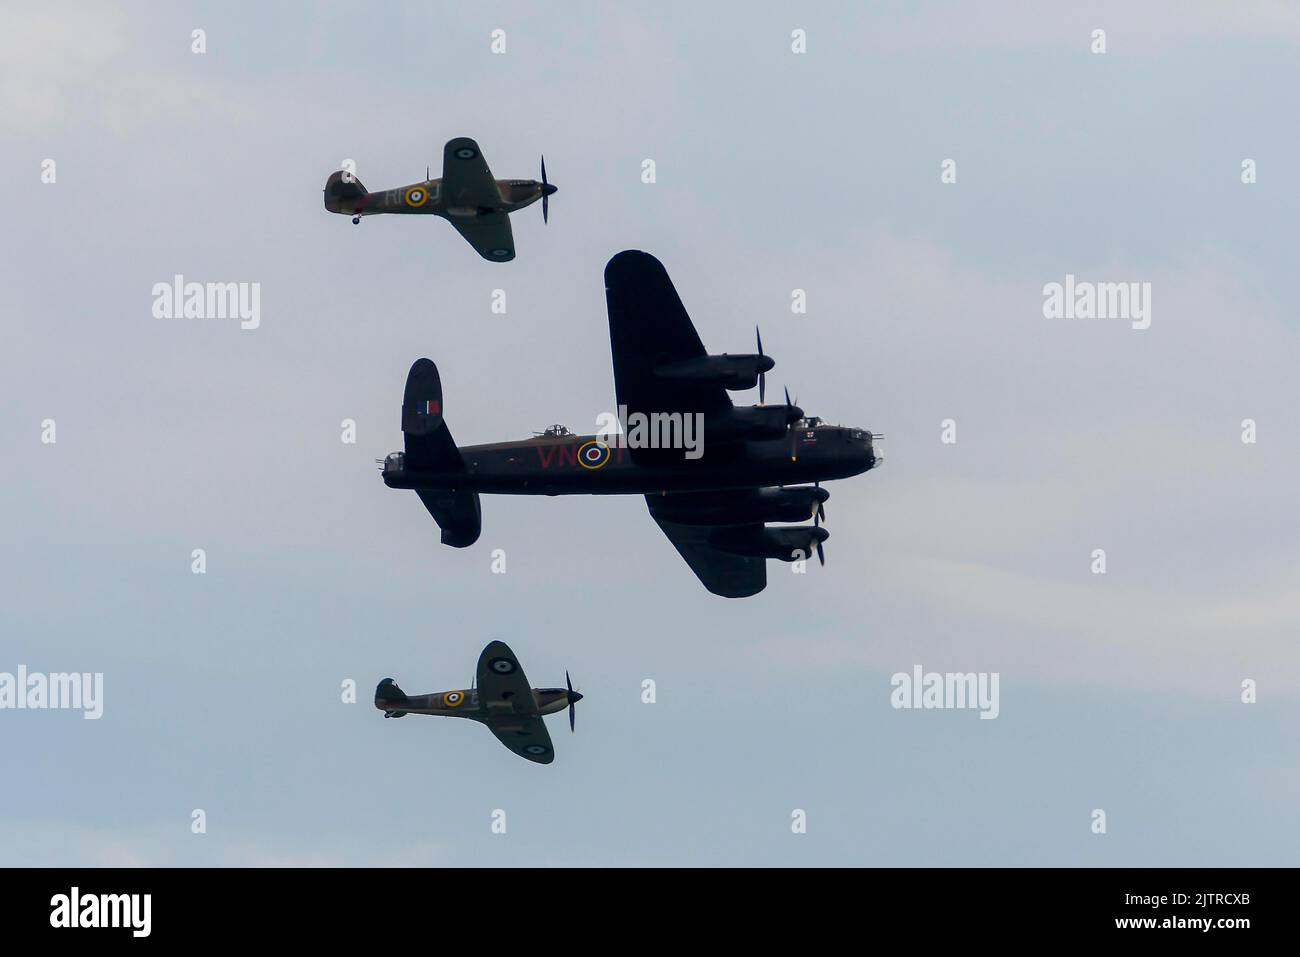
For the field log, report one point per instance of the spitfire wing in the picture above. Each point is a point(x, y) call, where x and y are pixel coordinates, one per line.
point(502, 685)
point(466, 179)
point(507, 697)
point(648, 328)
point(489, 234)
point(525, 736)
point(725, 574)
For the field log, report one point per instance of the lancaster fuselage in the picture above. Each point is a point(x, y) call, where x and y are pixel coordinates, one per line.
point(592, 465)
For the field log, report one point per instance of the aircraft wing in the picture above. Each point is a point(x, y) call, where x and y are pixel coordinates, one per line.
point(649, 327)
point(722, 573)
point(489, 234)
point(466, 179)
point(525, 736)
point(502, 686)
point(505, 693)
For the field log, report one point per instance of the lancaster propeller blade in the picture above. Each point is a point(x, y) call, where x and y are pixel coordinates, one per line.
point(762, 376)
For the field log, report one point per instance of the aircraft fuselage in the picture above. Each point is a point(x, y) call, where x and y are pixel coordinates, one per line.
point(466, 703)
point(428, 197)
point(586, 465)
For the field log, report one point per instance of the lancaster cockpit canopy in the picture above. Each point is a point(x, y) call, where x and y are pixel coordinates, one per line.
point(554, 431)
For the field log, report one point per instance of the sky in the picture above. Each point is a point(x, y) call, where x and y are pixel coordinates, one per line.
point(774, 171)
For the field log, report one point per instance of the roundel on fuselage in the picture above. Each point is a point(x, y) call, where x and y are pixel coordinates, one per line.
point(593, 454)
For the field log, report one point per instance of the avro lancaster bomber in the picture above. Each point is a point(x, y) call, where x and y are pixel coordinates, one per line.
point(467, 197)
point(758, 464)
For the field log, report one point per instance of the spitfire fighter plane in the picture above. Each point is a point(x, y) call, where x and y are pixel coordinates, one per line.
point(502, 700)
point(466, 196)
point(759, 464)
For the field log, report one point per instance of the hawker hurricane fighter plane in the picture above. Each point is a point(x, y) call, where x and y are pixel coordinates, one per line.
point(467, 196)
point(757, 464)
point(501, 699)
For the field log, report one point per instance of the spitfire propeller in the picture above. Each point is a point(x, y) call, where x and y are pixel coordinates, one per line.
point(574, 698)
point(547, 190)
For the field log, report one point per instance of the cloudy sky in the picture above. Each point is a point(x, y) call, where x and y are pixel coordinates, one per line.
point(775, 171)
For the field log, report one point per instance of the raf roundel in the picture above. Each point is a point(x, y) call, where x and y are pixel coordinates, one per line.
point(453, 699)
point(416, 197)
point(502, 666)
point(499, 253)
point(537, 749)
point(465, 153)
point(593, 454)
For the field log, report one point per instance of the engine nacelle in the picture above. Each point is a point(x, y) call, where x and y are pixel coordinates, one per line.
point(784, 544)
point(752, 422)
point(730, 372)
point(726, 508)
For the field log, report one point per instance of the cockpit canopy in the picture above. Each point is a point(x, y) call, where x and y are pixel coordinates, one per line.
point(554, 431)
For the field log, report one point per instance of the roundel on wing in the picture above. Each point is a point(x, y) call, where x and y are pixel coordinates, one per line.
point(453, 699)
point(593, 454)
point(417, 196)
point(537, 749)
point(502, 666)
point(466, 153)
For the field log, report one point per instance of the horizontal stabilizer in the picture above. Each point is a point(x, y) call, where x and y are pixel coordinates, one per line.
point(457, 513)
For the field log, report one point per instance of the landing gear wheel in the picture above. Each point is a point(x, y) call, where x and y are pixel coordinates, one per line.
point(356, 220)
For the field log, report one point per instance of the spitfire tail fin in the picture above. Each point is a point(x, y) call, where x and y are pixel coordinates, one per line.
point(387, 695)
point(430, 448)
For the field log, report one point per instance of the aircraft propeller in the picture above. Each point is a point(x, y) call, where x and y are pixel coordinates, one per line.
point(547, 190)
point(793, 414)
point(762, 376)
point(817, 520)
point(574, 698)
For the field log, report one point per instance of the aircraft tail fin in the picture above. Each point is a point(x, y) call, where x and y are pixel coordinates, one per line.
point(342, 190)
point(387, 695)
point(430, 448)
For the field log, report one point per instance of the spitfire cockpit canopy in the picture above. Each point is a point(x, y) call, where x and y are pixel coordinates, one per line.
point(554, 431)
